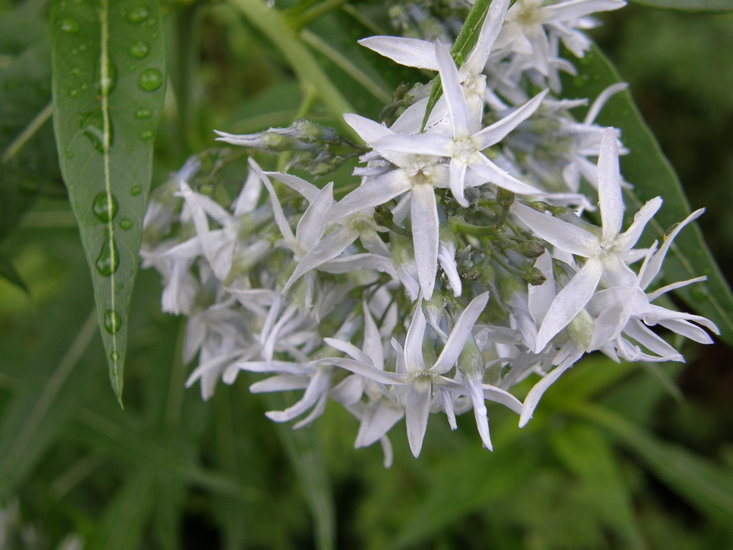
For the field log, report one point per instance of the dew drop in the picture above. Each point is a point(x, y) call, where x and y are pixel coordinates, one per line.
point(143, 112)
point(138, 14)
point(114, 355)
point(150, 80)
point(125, 224)
point(147, 134)
point(139, 50)
point(136, 190)
point(104, 207)
point(91, 125)
point(108, 260)
point(68, 26)
point(112, 321)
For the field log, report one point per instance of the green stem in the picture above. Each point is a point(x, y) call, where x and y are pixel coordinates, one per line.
point(27, 133)
point(272, 23)
point(317, 11)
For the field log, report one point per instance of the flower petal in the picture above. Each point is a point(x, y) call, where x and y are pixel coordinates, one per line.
point(609, 187)
point(425, 232)
point(569, 301)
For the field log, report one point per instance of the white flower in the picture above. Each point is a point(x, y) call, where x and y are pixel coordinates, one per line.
point(607, 254)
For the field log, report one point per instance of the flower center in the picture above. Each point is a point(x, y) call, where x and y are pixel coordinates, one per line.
point(464, 149)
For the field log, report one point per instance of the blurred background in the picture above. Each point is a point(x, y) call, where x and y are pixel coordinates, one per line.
point(617, 456)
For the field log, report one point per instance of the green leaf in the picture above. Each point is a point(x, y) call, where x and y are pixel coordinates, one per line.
point(10, 274)
point(108, 88)
point(40, 408)
point(590, 456)
point(651, 174)
point(27, 153)
point(703, 484)
point(688, 5)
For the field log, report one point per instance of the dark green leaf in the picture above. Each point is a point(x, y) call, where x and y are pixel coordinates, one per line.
point(703, 484)
point(689, 5)
point(108, 87)
point(649, 171)
point(40, 408)
point(590, 456)
point(28, 162)
point(10, 274)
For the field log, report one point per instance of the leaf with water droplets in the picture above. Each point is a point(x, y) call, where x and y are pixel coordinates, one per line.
point(108, 88)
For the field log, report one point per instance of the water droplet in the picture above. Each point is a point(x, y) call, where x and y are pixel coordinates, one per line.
point(147, 134)
point(75, 72)
point(136, 190)
point(143, 112)
point(104, 207)
point(138, 15)
point(73, 93)
point(108, 260)
point(150, 80)
point(125, 224)
point(69, 155)
point(92, 127)
point(112, 321)
point(114, 355)
point(139, 50)
point(68, 25)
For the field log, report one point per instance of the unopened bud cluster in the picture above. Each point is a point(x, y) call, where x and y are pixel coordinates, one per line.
point(458, 261)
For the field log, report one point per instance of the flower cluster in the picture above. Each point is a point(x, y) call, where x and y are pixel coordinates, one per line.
point(459, 261)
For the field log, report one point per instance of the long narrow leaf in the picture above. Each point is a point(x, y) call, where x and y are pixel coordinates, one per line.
point(108, 84)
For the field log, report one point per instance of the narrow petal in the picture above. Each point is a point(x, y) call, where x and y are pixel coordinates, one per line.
point(609, 187)
point(377, 421)
point(372, 192)
point(494, 133)
point(425, 232)
point(305, 188)
point(563, 235)
point(655, 262)
point(575, 9)
point(535, 394)
point(417, 409)
point(416, 144)
point(460, 333)
point(453, 92)
point(326, 250)
point(410, 52)
point(367, 129)
point(313, 223)
point(373, 347)
point(569, 301)
point(491, 173)
point(476, 393)
point(318, 384)
point(457, 171)
point(413, 341)
point(628, 239)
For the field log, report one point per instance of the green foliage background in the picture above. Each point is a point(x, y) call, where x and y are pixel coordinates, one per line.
point(617, 456)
